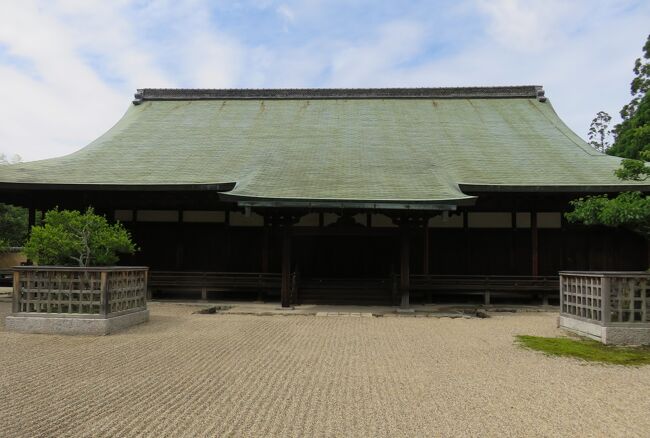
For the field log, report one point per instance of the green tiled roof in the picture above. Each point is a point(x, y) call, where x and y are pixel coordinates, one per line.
point(395, 145)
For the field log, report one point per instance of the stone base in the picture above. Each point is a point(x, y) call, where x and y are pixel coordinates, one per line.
point(610, 335)
point(61, 325)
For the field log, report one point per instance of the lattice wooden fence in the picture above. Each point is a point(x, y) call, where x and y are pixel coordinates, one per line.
point(105, 291)
point(606, 297)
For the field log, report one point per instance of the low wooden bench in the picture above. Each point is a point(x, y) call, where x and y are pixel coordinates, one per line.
point(513, 285)
point(179, 281)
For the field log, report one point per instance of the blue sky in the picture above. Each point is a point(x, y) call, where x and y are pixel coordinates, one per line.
point(68, 68)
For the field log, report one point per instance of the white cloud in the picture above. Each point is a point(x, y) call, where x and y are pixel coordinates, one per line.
point(286, 13)
point(71, 66)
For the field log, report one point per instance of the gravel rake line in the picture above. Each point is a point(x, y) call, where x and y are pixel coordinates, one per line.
point(243, 375)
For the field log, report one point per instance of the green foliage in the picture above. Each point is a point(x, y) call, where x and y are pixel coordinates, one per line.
point(588, 350)
point(13, 225)
point(71, 238)
point(629, 210)
point(633, 133)
point(634, 170)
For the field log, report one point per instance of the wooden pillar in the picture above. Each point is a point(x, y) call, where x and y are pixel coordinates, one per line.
point(534, 244)
point(265, 248)
point(513, 243)
point(468, 258)
point(404, 266)
point(226, 244)
point(285, 296)
point(425, 252)
point(180, 241)
point(265, 255)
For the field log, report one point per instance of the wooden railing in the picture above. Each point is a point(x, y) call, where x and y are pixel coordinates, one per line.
point(213, 281)
point(350, 289)
point(606, 298)
point(546, 287)
point(101, 291)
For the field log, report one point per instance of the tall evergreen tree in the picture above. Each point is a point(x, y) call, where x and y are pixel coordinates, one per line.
point(633, 133)
point(632, 209)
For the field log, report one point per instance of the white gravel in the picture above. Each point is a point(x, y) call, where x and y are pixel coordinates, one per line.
point(243, 375)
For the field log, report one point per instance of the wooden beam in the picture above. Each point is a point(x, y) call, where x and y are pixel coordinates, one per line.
point(534, 244)
point(405, 274)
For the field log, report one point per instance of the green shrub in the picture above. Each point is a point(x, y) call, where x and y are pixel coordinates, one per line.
point(72, 238)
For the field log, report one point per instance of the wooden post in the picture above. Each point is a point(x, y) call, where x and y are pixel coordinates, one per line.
point(513, 243)
point(534, 244)
point(605, 300)
point(425, 253)
point(468, 259)
point(285, 293)
point(16, 297)
point(405, 266)
point(179, 241)
point(265, 248)
point(105, 306)
point(265, 256)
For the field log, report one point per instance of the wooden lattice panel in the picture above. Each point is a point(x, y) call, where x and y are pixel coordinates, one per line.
point(630, 299)
point(127, 290)
point(582, 296)
point(79, 291)
point(65, 292)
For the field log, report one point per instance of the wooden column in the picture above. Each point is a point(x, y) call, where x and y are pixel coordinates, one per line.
point(405, 252)
point(180, 241)
point(468, 258)
point(513, 243)
point(265, 255)
point(265, 248)
point(425, 252)
point(285, 292)
point(534, 244)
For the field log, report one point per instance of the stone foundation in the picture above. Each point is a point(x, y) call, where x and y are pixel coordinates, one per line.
point(611, 335)
point(73, 325)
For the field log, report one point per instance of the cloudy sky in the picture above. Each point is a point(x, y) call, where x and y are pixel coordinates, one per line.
point(69, 68)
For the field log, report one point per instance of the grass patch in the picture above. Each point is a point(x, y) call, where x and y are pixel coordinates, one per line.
point(588, 350)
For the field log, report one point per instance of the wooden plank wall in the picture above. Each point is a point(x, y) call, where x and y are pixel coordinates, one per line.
point(215, 247)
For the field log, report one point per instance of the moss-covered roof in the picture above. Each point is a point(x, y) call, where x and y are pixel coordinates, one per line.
point(395, 146)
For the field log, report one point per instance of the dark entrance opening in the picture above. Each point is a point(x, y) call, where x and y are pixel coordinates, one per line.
point(345, 267)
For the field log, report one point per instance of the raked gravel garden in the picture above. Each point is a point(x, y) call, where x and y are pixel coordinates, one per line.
point(187, 374)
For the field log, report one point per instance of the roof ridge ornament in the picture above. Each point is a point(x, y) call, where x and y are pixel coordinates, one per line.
point(519, 91)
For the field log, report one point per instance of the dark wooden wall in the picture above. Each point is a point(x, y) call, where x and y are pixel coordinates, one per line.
point(217, 247)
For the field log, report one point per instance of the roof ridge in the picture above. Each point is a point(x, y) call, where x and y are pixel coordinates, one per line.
point(516, 91)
